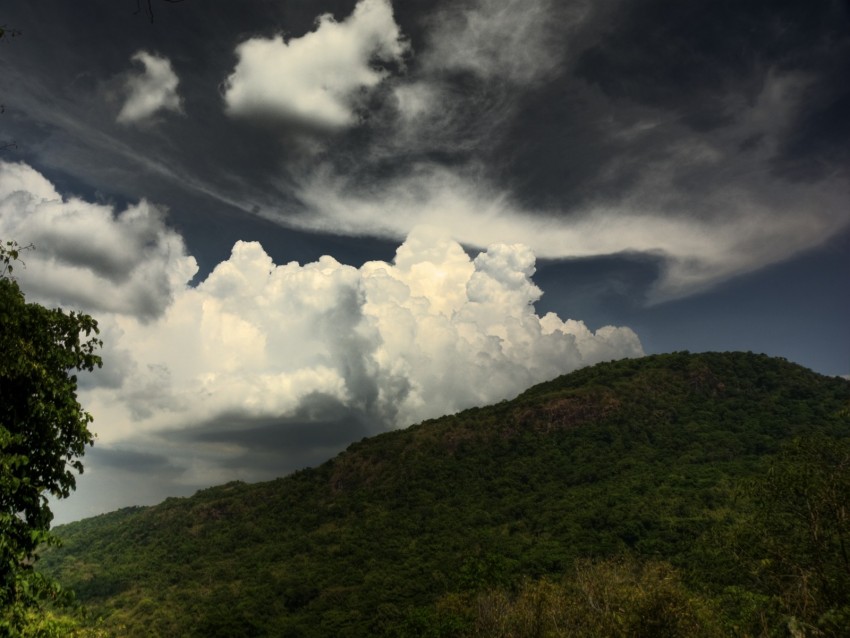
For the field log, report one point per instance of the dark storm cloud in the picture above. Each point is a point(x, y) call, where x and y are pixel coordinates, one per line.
point(820, 143)
point(268, 447)
point(133, 461)
point(668, 64)
point(692, 56)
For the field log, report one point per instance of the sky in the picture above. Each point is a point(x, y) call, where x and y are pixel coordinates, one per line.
point(301, 223)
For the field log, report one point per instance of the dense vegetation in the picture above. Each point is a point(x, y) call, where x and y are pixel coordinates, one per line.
point(43, 433)
point(675, 495)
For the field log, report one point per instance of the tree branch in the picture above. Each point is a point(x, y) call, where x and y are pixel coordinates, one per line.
point(150, 7)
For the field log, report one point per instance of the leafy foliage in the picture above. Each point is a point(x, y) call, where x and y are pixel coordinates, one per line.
point(637, 481)
point(618, 597)
point(797, 539)
point(43, 432)
point(7, 31)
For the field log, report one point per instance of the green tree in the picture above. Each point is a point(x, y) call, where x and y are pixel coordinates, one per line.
point(616, 597)
point(43, 432)
point(6, 31)
point(803, 533)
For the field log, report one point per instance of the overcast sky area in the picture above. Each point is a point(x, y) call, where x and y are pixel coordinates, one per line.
point(300, 223)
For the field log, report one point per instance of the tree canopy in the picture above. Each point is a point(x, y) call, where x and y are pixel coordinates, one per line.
point(43, 428)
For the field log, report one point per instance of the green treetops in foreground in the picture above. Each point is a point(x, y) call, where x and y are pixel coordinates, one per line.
point(43, 433)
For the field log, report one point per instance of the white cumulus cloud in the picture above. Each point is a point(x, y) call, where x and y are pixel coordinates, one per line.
point(315, 79)
point(151, 91)
point(434, 332)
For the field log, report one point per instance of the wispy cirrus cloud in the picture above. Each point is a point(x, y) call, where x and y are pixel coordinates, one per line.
point(508, 41)
point(565, 124)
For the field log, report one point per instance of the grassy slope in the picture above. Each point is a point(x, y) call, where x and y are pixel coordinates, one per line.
point(641, 456)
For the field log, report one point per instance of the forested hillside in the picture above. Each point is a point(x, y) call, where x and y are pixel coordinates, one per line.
point(676, 495)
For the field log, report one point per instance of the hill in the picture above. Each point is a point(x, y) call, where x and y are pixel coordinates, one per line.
point(664, 474)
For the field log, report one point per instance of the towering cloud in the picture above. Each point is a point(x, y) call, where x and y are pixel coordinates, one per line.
point(431, 333)
point(151, 91)
point(204, 373)
point(315, 79)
